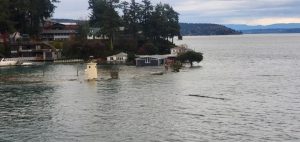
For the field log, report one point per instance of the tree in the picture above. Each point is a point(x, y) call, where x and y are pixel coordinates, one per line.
point(158, 22)
point(165, 22)
point(125, 17)
point(176, 66)
point(105, 16)
point(83, 30)
point(134, 17)
point(190, 56)
point(5, 25)
point(173, 28)
point(28, 15)
point(142, 22)
point(147, 10)
point(148, 49)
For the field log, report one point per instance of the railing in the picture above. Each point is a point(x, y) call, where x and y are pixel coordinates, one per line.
point(21, 59)
point(69, 61)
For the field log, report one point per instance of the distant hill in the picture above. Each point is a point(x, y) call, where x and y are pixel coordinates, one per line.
point(266, 31)
point(241, 27)
point(206, 29)
point(259, 29)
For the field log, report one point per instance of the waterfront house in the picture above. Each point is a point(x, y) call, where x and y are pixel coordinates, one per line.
point(179, 50)
point(153, 60)
point(150, 60)
point(59, 31)
point(34, 51)
point(118, 58)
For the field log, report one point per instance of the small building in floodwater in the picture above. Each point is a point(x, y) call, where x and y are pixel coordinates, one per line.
point(152, 60)
point(118, 58)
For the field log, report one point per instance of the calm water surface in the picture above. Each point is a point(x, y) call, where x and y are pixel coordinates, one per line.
point(246, 89)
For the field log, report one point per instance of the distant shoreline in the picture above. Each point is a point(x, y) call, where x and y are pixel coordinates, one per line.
point(242, 35)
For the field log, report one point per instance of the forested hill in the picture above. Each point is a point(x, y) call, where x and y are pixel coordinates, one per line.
point(206, 29)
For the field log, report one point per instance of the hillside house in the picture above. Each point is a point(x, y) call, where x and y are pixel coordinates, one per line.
point(59, 31)
point(94, 34)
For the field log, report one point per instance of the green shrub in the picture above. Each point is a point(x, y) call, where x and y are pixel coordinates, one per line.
point(190, 56)
point(176, 66)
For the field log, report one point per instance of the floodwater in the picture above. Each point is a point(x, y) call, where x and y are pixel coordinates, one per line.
point(246, 89)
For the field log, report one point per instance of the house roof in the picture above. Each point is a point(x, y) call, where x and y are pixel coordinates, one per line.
point(184, 46)
point(156, 56)
point(66, 23)
point(59, 31)
point(122, 54)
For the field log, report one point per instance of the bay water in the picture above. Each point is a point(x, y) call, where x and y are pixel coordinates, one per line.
point(247, 88)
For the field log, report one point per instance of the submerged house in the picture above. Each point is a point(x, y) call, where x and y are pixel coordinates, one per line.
point(118, 58)
point(152, 60)
point(38, 51)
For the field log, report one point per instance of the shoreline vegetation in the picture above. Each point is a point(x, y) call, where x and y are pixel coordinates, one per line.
point(134, 28)
point(130, 27)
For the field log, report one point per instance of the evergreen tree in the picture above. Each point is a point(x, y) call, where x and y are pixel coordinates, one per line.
point(28, 15)
point(5, 26)
point(5, 23)
point(166, 22)
point(105, 16)
point(134, 17)
point(147, 10)
point(173, 28)
point(142, 22)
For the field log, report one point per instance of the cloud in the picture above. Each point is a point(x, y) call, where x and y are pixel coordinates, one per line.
point(228, 11)
point(72, 9)
point(265, 21)
point(210, 11)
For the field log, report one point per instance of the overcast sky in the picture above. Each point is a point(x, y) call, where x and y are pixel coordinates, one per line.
point(251, 12)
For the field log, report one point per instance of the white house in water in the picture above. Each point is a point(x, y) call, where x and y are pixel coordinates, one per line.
point(119, 58)
point(179, 49)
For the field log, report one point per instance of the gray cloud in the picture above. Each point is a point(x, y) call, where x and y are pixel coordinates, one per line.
point(72, 9)
point(210, 11)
